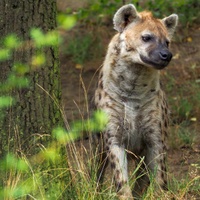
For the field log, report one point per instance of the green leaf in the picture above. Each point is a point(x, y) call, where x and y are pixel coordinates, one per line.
point(20, 68)
point(38, 36)
point(40, 39)
point(101, 119)
point(51, 154)
point(60, 134)
point(21, 165)
point(4, 54)
point(52, 39)
point(12, 162)
point(65, 21)
point(64, 137)
point(16, 82)
point(11, 41)
point(38, 60)
point(6, 101)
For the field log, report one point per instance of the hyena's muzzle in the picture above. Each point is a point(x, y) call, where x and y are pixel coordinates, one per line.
point(158, 57)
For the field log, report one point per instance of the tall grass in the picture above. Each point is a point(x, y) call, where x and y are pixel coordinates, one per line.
point(66, 168)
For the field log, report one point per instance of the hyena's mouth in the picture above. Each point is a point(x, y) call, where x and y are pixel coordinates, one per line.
point(156, 63)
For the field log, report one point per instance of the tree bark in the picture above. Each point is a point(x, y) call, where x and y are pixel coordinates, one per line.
point(34, 111)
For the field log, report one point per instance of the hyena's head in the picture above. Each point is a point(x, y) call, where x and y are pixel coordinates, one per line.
point(144, 39)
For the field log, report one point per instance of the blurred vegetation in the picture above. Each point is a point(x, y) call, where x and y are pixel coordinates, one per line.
point(187, 10)
point(95, 12)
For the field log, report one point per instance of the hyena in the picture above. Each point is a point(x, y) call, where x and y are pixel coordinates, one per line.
point(130, 93)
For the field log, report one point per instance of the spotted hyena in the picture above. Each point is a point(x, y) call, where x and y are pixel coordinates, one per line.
point(130, 93)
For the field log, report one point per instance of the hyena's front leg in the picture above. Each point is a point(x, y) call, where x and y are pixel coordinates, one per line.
point(154, 164)
point(118, 160)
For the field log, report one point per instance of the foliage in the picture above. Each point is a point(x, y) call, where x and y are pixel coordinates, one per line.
point(96, 11)
point(181, 135)
point(187, 10)
point(65, 21)
point(96, 124)
point(79, 47)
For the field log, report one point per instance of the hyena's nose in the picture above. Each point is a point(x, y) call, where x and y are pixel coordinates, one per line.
point(165, 55)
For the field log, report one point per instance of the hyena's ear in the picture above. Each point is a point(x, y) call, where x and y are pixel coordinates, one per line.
point(170, 22)
point(124, 16)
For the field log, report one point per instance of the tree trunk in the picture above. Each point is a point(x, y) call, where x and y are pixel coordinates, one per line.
point(35, 110)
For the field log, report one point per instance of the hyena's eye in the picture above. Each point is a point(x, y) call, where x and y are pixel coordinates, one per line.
point(147, 38)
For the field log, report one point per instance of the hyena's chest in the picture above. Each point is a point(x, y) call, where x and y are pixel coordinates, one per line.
point(125, 116)
point(132, 136)
point(130, 117)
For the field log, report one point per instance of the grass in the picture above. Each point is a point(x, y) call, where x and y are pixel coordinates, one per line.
point(187, 188)
point(59, 172)
point(41, 176)
point(183, 99)
point(181, 135)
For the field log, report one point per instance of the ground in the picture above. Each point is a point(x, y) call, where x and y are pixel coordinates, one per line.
point(182, 84)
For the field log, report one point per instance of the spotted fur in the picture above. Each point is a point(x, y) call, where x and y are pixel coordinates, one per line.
point(130, 93)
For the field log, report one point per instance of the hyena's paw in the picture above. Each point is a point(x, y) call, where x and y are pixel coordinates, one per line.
point(125, 193)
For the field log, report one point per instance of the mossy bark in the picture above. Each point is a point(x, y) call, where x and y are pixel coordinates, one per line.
point(35, 112)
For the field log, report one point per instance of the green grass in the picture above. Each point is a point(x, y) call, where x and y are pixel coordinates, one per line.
point(186, 188)
point(181, 135)
point(51, 175)
point(183, 99)
point(50, 184)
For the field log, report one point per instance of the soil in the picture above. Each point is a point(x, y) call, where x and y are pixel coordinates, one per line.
point(78, 83)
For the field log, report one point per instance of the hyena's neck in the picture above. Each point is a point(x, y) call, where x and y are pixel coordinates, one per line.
point(126, 79)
